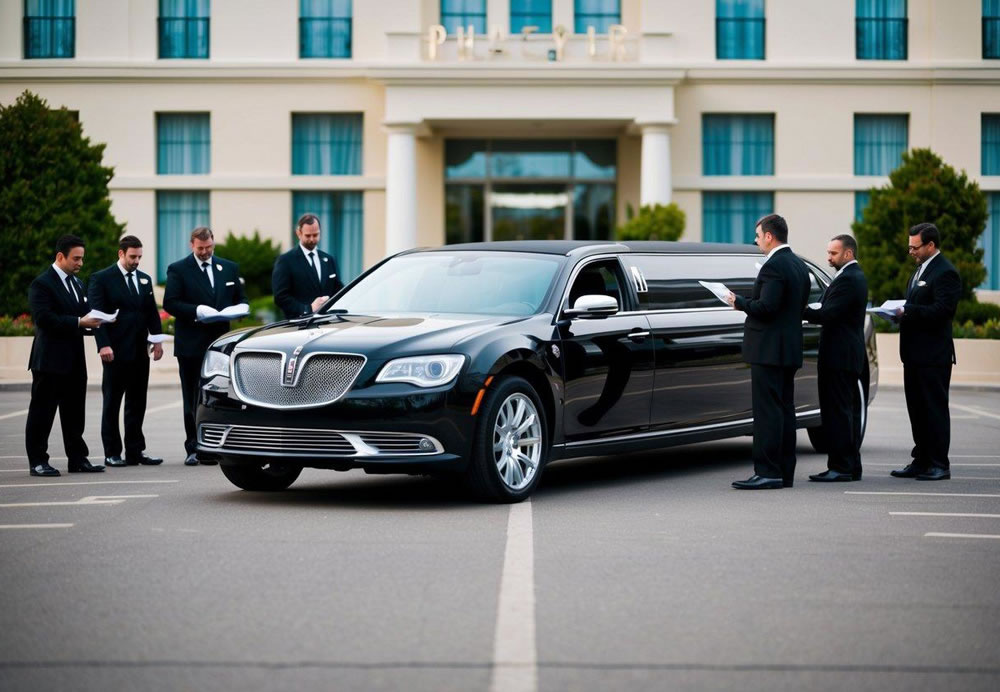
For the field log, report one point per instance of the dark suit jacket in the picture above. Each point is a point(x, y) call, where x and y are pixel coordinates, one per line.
point(925, 327)
point(187, 288)
point(842, 341)
point(295, 284)
point(137, 317)
point(772, 334)
point(58, 344)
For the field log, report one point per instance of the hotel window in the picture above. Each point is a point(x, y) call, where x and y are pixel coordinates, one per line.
point(177, 214)
point(325, 28)
point(326, 144)
point(183, 144)
point(737, 144)
point(879, 143)
point(463, 13)
point(341, 221)
point(990, 242)
point(861, 199)
point(599, 14)
point(531, 13)
point(49, 29)
point(731, 217)
point(990, 136)
point(739, 29)
point(183, 28)
point(880, 29)
point(991, 29)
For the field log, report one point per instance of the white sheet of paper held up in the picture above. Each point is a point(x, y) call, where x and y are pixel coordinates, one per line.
point(233, 312)
point(159, 338)
point(887, 310)
point(720, 291)
point(104, 317)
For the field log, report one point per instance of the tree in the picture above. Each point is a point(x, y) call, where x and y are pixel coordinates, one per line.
point(923, 188)
point(52, 182)
point(653, 222)
point(256, 259)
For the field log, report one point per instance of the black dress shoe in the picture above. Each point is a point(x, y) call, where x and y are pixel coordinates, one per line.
point(756, 482)
point(114, 461)
point(85, 467)
point(146, 460)
point(191, 460)
point(935, 474)
point(44, 470)
point(832, 476)
point(909, 471)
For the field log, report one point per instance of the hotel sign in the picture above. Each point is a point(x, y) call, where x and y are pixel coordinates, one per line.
point(499, 43)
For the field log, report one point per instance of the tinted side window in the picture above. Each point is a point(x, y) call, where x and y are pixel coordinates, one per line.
point(672, 280)
point(598, 278)
point(816, 287)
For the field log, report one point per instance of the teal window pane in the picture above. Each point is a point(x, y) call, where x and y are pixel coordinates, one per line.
point(879, 143)
point(465, 158)
point(861, 199)
point(593, 211)
point(529, 158)
point(464, 220)
point(991, 29)
point(738, 144)
point(49, 29)
point(183, 144)
point(341, 221)
point(990, 242)
point(599, 14)
point(731, 217)
point(531, 13)
point(595, 158)
point(990, 143)
point(326, 143)
point(463, 13)
point(880, 29)
point(739, 29)
point(177, 214)
point(184, 28)
point(325, 28)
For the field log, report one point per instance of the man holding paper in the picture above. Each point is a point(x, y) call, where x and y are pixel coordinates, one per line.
point(305, 276)
point(122, 347)
point(58, 366)
point(198, 288)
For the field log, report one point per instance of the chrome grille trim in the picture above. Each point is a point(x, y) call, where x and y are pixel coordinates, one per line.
point(311, 442)
point(321, 378)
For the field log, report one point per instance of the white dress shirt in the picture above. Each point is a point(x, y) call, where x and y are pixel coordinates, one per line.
point(773, 250)
point(211, 269)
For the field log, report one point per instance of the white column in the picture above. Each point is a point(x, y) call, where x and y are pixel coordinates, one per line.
point(401, 189)
point(654, 182)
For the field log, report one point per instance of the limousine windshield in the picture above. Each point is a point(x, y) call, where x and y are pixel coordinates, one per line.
point(479, 283)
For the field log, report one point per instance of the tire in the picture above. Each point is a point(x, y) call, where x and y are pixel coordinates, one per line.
point(817, 435)
point(264, 478)
point(511, 444)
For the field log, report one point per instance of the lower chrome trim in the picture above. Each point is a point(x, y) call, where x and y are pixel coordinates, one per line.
point(267, 441)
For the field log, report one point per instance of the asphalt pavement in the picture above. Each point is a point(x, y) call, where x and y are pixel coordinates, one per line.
point(644, 572)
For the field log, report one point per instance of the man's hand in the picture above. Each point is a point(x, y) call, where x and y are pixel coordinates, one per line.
point(157, 351)
point(90, 323)
point(319, 301)
point(106, 354)
point(898, 315)
point(731, 299)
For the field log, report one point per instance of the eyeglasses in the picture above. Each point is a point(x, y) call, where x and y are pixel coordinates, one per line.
point(916, 247)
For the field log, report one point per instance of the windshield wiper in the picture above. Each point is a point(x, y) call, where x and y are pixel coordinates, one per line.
point(335, 312)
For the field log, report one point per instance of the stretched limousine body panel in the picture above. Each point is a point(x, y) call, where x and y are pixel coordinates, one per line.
point(488, 360)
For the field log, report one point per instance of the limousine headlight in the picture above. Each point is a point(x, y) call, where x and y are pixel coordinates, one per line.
point(215, 363)
point(423, 371)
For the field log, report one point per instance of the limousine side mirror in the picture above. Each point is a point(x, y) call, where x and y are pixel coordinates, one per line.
point(592, 306)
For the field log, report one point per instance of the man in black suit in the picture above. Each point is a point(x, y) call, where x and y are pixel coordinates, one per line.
point(772, 345)
point(842, 361)
point(304, 277)
point(122, 348)
point(928, 352)
point(57, 362)
point(196, 285)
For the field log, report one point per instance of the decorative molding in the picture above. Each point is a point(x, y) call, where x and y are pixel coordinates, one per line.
point(237, 183)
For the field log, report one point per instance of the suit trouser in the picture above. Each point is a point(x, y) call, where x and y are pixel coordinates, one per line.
point(128, 379)
point(840, 400)
point(926, 389)
point(68, 394)
point(190, 369)
point(773, 398)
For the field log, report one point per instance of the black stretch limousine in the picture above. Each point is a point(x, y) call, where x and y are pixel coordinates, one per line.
point(488, 360)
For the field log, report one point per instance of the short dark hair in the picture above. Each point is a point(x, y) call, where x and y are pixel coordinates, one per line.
point(775, 225)
point(68, 242)
point(929, 233)
point(308, 219)
point(848, 242)
point(201, 233)
point(127, 242)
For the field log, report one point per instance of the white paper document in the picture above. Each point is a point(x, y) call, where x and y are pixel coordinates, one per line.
point(207, 313)
point(720, 291)
point(815, 306)
point(159, 338)
point(104, 317)
point(887, 310)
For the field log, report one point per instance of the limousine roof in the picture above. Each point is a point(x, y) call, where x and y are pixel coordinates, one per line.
point(585, 247)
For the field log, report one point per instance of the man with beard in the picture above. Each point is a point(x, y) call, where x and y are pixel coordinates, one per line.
point(305, 276)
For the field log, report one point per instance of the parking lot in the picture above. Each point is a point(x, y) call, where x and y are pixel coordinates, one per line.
point(645, 572)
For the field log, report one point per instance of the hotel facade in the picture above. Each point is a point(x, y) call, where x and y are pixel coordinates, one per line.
point(407, 123)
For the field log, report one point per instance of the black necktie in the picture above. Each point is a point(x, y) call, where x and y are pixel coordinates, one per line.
point(72, 288)
point(313, 265)
point(131, 286)
point(205, 268)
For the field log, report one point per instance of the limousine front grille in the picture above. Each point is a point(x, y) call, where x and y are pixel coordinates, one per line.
point(306, 442)
point(323, 378)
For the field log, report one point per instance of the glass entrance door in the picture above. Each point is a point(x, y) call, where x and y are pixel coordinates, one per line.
point(528, 211)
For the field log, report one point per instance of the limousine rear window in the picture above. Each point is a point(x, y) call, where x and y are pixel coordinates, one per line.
point(672, 280)
point(478, 283)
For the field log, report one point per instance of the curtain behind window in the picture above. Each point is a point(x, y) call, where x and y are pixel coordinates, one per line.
point(990, 242)
point(325, 28)
point(731, 217)
point(599, 14)
point(990, 143)
point(177, 214)
point(50, 30)
point(739, 29)
point(879, 143)
point(531, 13)
point(184, 31)
point(183, 144)
point(738, 144)
point(881, 29)
point(326, 143)
point(463, 13)
point(341, 219)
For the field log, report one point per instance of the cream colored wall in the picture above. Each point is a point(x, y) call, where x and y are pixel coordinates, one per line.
point(813, 218)
point(690, 203)
point(242, 212)
point(258, 30)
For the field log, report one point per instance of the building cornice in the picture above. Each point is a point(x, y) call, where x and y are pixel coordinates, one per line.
point(225, 182)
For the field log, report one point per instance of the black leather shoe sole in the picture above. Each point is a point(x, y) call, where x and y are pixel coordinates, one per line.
point(933, 477)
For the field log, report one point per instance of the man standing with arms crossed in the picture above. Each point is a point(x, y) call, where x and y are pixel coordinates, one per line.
point(305, 276)
point(772, 345)
point(842, 361)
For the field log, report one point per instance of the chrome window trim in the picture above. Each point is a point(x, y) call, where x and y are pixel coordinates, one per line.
point(362, 449)
point(240, 395)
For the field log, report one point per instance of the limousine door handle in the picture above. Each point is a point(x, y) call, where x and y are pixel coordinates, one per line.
point(638, 336)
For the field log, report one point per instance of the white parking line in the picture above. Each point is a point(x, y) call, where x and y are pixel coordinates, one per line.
point(35, 526)
point(960, 535)
point(173, 404)
point(515, 658)
point(863, 492)
point(944, 514)
point(971, 409)
point(43, 484)
point(92, 500)
point(974, 456)
point(898, 464)
point(13, 414)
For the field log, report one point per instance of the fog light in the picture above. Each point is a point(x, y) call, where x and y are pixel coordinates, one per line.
point(426, 445)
